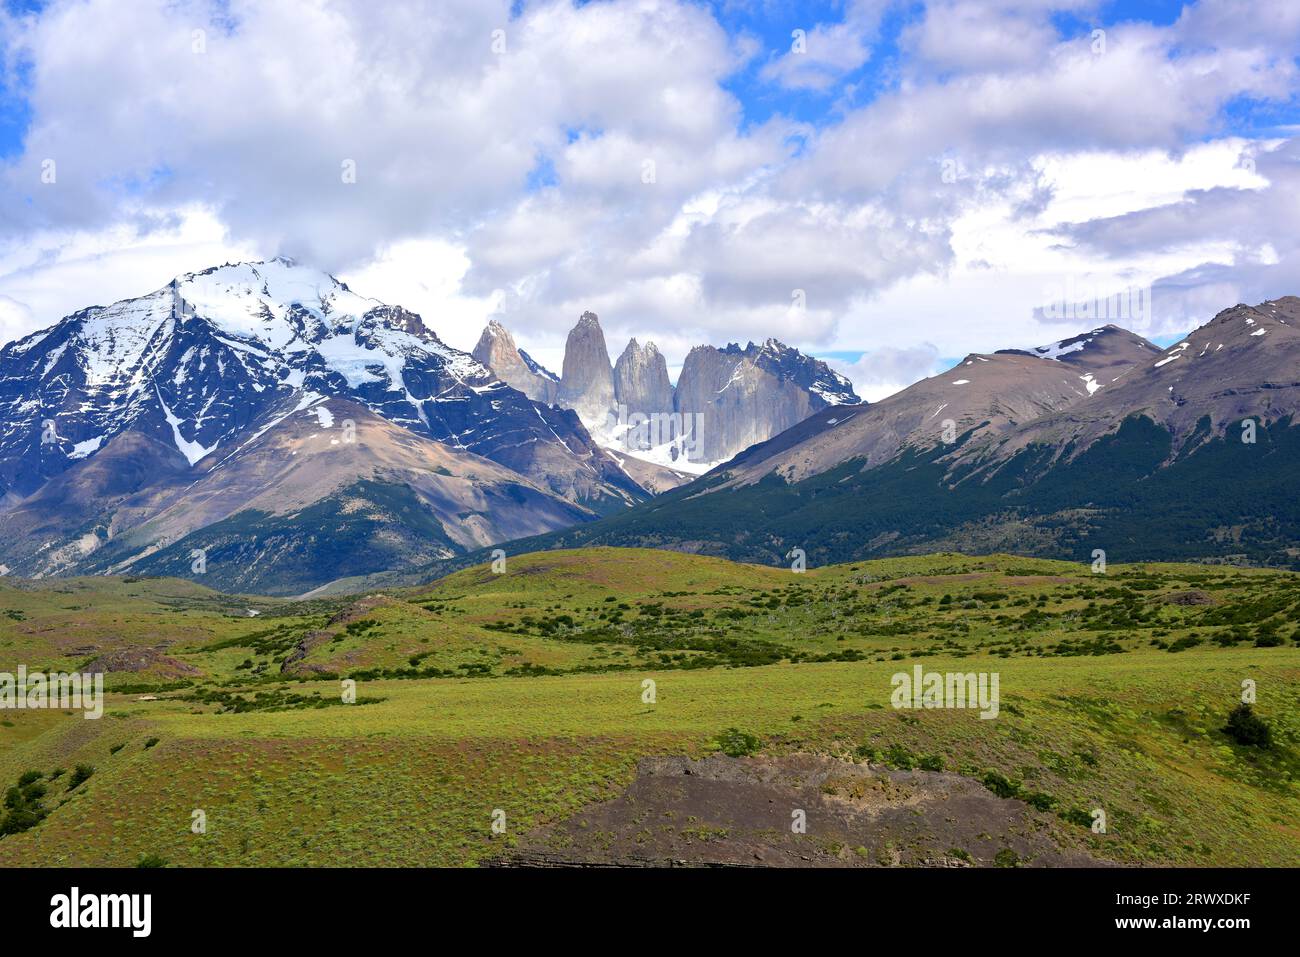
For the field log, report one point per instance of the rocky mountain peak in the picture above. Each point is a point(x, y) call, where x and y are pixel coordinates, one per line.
point(748, 393)
point(496, 347)
point(497, 351)
point(587, 379)
point(641, 381)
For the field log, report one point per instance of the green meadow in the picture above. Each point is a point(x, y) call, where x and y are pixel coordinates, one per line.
point(526, 692)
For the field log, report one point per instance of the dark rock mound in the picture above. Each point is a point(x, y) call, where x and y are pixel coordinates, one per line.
point(746, 812)
point(135, 660)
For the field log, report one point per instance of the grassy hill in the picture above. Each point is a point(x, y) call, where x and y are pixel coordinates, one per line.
point(523, 692)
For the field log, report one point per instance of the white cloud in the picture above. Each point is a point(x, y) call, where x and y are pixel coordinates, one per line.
point(882, 372)
point(820, 55)
point(52, 273)
point(974, 35)
point(1109, 168)
point(424, 276)
point(15, 319)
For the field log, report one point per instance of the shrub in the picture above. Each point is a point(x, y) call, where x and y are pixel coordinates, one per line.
point(34, 792)
point(738, 744)
point(1001, 785)
point(80, 774)
point(151, 860)
point(1077, 815)
point(19, 820)
point(1247, 728)
point(898, 756)
point(23, 803)
point(1040, 800)
point(931, 762)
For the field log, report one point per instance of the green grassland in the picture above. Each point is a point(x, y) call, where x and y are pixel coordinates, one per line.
point(523, 691)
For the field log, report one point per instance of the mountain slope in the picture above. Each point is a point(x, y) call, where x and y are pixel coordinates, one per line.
point(331, 490)
point(1244, 363)
point(983, 396)
point(133, 434)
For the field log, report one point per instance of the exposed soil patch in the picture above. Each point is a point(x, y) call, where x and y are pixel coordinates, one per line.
point(1193, 597)
point(723, 811)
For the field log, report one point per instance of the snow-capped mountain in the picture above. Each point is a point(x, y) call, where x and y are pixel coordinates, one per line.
point(196, 362)
point(196, 377)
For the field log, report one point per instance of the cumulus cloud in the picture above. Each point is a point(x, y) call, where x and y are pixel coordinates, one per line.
point(320, 129)
point(527, 162)
point(1252, 223)
point(820, 56)
point(975, 35)
point(882, 372)
point(15, 319)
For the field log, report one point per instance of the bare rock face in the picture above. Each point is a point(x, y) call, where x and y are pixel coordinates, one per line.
point(641, 380)
point(496, 349)
point(738, 397)
point(888, 818)
point(136, 660)
point(726, 400)
point(587, 381)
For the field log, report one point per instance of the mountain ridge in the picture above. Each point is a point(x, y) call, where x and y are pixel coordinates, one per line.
point(1186, 454)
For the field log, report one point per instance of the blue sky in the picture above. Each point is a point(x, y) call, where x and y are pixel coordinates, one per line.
point(919, 179)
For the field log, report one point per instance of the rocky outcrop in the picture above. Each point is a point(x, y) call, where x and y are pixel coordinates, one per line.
point(726, 399)
point(497, 351)
point(587, 381)
point(739, 397)
point(138, 660)
point(641, 379)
